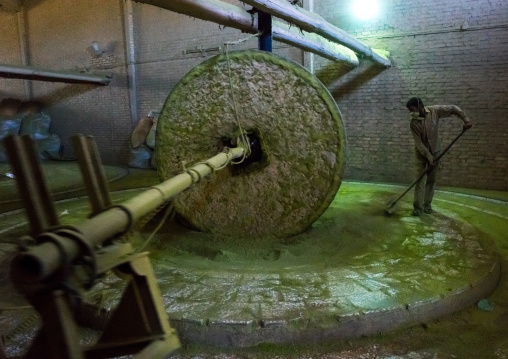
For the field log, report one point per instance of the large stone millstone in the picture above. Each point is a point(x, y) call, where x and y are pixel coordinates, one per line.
point(302, 138)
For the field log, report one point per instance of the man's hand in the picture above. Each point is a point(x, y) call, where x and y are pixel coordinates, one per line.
point(468, 125)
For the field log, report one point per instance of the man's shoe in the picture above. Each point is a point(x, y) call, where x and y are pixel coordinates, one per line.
point(417, 212)
point(428, 210)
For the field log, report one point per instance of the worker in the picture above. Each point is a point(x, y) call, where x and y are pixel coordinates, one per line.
point(424, 128)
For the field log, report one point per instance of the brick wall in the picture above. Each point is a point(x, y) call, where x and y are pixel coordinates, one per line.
point(10, 54)
point(60, 34)
point(170, 44)
point(434, 59)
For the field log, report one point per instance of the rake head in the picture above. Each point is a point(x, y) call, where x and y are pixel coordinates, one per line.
point(391, 207)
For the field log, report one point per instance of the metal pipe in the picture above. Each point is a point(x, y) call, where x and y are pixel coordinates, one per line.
point(25, 57)
point(41, 261)
point(130, 50)
point(32, 73)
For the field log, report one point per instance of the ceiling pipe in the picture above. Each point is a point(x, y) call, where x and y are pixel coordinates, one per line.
point(312, 22)
point(233, 16)
point(32, 73)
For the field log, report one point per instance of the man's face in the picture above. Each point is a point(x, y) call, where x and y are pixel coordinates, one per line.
point(416, 111)
point(413, 109)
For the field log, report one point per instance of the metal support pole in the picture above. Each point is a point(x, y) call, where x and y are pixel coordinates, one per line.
point(265, 28)
point(130, 50)
point(25, 54)
point(308, 57)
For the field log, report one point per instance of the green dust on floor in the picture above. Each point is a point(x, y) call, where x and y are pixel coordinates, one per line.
point(387, 260)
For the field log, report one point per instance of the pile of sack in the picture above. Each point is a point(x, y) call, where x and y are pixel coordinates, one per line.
point(26, 118)
point(143, 142)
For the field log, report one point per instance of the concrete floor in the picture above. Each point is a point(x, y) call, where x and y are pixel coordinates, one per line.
point(429, 259)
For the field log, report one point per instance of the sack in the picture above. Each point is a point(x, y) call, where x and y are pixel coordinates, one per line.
point(140, 132)
point(150, 139)
point(9, 126)
point(49, 147)
point(36, 125)
point(140, 157)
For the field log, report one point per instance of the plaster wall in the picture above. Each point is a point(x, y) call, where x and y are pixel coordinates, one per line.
point(10, 54)
point(453, 52)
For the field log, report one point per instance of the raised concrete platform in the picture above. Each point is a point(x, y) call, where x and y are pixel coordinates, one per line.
point(62, 177)
point(355, 272)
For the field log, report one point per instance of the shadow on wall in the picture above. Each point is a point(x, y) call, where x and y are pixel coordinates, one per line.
point(332, 72)
point(341, 85)
point(65, 92)
point(29, 4)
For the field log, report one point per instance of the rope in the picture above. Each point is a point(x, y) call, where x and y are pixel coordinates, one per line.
point(170, 209)
point(243, 135)
point(243, 40)
point(196, 177)
point(192, 172)
point(142, 222)
point(169, 213)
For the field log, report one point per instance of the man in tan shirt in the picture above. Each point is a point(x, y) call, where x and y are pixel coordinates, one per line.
point(424, 128)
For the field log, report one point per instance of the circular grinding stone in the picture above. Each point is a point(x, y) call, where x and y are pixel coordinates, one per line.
point(297, 123)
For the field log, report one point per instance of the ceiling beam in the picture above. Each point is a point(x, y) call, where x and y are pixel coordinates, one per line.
point(312, 22)
point(233, 16)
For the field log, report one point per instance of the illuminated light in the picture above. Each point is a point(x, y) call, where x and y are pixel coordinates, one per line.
point(365, 9)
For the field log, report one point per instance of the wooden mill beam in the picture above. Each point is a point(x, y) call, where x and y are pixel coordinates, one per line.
point(233, 16)
point(31, 73)
point(313, 43)
point(312, 22)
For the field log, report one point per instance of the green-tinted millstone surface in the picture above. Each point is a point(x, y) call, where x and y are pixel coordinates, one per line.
point(301, 133)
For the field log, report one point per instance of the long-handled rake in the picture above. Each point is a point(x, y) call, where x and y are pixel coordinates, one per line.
point(392, 205)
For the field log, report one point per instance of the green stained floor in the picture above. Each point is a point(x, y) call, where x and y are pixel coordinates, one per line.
point(354, 259)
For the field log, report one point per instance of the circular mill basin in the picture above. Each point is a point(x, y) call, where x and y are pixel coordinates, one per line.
point(355, 272)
